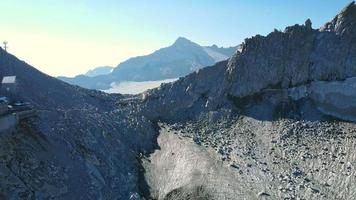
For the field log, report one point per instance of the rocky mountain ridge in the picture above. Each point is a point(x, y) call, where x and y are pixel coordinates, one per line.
point(282, 60)
point(273, 114)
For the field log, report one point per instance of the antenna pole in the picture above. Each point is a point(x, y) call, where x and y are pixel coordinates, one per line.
point(5, 45)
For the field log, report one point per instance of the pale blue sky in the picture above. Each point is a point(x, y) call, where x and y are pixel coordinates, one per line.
point(68, 37)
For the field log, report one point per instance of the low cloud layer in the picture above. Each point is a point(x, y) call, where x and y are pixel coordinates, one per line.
point(136, 87)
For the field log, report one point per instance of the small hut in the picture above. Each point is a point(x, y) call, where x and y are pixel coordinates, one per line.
point(8, 84)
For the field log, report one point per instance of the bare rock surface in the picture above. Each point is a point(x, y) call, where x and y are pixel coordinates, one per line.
point(253, 159)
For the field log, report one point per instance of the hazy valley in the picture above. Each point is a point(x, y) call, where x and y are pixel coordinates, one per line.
point(169, 63)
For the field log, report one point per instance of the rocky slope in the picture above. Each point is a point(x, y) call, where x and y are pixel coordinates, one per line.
point(267, 124)
point(245, 158)
point(80, 146)
point(177, 60)
point(275, 121)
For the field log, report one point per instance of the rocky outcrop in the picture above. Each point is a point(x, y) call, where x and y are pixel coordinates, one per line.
point(295, 57)
point(344, 23)
point(335, 98)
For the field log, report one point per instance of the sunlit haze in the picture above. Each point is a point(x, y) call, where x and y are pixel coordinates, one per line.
point(69, 37)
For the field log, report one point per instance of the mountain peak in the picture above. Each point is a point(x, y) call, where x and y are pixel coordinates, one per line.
point(183, 41)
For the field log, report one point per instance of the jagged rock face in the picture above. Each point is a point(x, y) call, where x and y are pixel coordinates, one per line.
point(278, 60)
point(344, 22)
point(281, 60)
point(295, 57)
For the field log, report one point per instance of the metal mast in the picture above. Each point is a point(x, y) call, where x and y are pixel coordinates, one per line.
point(5, 45)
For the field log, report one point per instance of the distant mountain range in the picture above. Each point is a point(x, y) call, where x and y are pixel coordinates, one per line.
point(177, 60)
point(99, 71)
